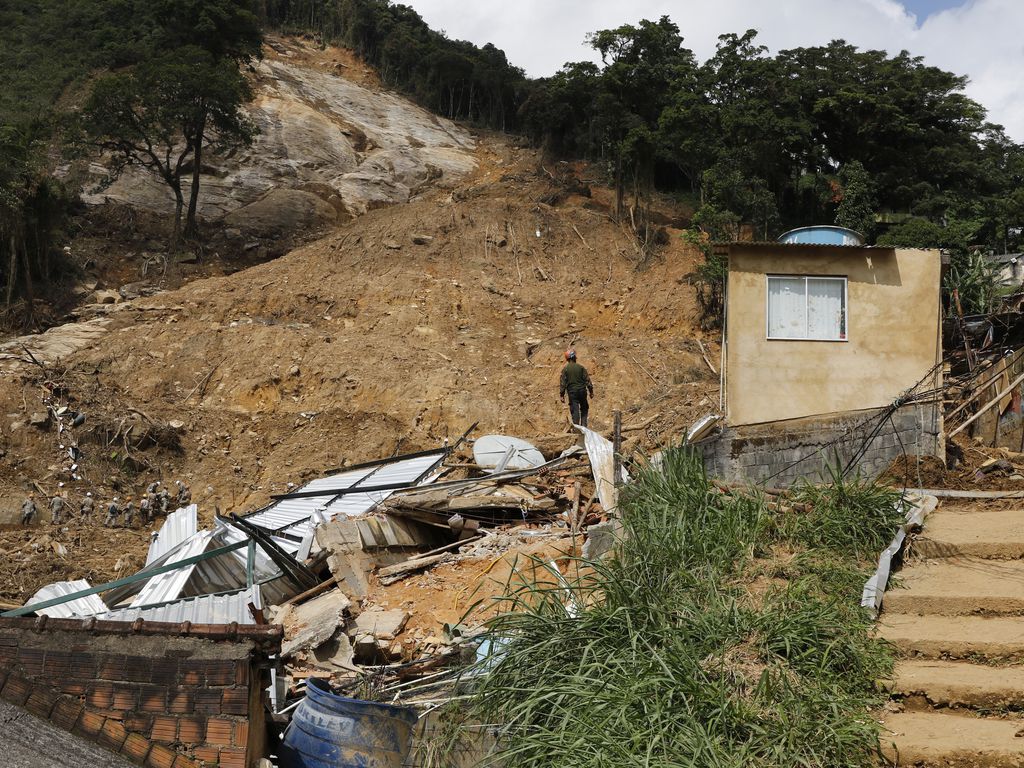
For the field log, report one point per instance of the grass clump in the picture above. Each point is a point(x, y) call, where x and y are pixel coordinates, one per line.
point(712, 638)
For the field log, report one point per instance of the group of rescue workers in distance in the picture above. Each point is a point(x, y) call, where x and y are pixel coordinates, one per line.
point(574, 382)
point(156, 502)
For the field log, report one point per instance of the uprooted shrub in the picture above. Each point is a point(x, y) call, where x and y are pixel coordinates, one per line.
point(713, 637)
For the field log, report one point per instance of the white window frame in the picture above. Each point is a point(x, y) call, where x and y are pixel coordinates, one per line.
point(805, 278)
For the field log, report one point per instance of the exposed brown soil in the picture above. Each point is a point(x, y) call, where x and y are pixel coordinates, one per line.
point(362, 344)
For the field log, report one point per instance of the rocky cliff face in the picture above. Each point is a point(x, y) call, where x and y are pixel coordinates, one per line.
point(328, 149)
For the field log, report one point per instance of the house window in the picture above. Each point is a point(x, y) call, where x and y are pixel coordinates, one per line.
point(807, 308)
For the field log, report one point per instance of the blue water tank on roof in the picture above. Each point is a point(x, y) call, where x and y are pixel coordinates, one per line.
point(825, 234)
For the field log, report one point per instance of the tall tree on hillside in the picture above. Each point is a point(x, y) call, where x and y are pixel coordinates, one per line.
point(162, 115)
point(641, 63)
point(228, 31)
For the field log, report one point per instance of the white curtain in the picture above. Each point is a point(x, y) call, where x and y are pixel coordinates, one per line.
point(787, 308)
point(825, 311)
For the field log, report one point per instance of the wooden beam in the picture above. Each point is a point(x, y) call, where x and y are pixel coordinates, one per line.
point(988, 406)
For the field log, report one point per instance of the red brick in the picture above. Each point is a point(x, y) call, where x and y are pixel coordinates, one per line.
point(57, 665)
point(110, 667)
point(74, 687)
point(192, 730)
point(136, 747)
point(138, 669)
point(181, 701)
point(207, 755)
point(185, 762)
point(218, 672)
point(4, 673)
point(100, 696)
point(164, 729)
point(112, 735)
point(165, 671)
point(235, 701)
point(41, 702)
point(140, 723)
point(160, 757)
point(31, 661)
point(126, 699)
point(218, 731)
point(241, 673)
point(65, 712)
point(208, 702)
point(153, 700)
point(89, 724)
point(232, 758)
point(241, 737)
point(17, 689)
point(191, 676)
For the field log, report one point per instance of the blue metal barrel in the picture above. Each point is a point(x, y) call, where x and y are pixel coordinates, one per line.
point(330, 731)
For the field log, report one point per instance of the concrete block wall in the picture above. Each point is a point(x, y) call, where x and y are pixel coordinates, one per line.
point(161, 695)
point(781, 453)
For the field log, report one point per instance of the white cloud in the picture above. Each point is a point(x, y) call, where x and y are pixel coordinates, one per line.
point(980, 39)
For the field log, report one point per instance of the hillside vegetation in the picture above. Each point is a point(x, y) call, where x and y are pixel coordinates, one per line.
point(809, 135)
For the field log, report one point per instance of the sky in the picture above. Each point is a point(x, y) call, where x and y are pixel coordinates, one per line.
point(978, 38)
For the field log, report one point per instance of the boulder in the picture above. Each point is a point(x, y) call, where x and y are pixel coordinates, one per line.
point(283, 213)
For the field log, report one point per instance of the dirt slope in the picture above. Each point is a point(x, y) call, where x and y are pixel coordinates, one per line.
point(396, 332)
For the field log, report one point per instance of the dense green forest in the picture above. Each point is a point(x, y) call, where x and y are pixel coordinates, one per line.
point(884, 144)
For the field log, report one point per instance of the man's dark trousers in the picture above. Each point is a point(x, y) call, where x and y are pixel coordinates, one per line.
point(579, 408)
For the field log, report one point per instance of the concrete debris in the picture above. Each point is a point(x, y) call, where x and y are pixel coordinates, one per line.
point(313, 623)
point(381, 624)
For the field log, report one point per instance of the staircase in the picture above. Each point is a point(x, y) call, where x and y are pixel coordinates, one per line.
point(957, 618)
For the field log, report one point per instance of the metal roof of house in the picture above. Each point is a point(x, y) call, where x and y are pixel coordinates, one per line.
point(203, 609)
point(179, 526)
point(297, 514)
point(82, 606)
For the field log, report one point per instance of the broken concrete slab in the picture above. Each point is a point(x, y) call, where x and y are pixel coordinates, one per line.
point(313, 623)
point(347, 561)
point(382, 625)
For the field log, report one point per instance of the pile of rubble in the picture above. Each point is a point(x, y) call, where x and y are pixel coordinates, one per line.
point(329, 560)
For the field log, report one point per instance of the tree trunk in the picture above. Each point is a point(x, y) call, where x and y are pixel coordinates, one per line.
point(12, 270)
point(179, 206)
point(191, 226)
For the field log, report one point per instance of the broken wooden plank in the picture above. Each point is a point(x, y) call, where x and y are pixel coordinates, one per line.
point(394, 573)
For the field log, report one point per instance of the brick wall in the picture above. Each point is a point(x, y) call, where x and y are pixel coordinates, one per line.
point(162, 695)
point(780, 453)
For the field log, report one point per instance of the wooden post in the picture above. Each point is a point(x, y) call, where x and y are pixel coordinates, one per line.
point(616, 448)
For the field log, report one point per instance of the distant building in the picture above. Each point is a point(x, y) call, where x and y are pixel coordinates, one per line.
point(1009, 268)
point(820, 341)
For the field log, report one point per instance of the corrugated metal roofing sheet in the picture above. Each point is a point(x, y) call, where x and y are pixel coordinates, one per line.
point(293, 516)
point(83, 606)
point(168, 586)
point(204, 609)
point(179, 526)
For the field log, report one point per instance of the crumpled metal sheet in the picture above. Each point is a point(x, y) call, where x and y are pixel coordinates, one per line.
point(180, 525)
point(204, 609)
point(602, 463)
point(918, 508)
point(82, 606)
point(297, 517)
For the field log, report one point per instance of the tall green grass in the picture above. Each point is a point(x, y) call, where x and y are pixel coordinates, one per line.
point(714, 637)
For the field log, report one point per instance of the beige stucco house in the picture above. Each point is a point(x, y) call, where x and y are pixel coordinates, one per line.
point(820, 341)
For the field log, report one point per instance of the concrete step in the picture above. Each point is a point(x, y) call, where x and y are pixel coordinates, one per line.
point(986, 534)
point(960, 684)
point(959, 586)
point(954, 637)
point(952, 740)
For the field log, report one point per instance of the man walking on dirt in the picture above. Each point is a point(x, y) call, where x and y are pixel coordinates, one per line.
point(576, 383)
point(28, 510)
